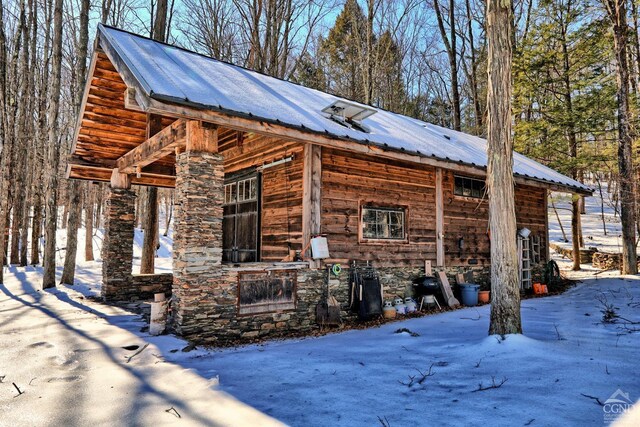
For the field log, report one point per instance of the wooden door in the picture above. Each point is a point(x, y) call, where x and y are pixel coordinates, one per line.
point(241, 219)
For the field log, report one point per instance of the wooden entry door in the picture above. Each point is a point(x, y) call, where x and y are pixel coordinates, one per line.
point(241, 221)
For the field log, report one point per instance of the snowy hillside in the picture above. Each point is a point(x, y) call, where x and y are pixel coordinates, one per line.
point(600, 216)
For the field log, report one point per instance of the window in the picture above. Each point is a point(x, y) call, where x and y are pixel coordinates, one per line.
point(383, 223)
point(469, 187)
point(240, 191)
point(240, 222)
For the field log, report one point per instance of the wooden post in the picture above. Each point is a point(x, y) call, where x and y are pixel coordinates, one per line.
point(546, 226)
point(439, 220)
point(312, 193)
point(202, 136)
point(120, 180)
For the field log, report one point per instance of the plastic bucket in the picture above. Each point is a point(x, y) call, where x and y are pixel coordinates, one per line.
point(469, 294)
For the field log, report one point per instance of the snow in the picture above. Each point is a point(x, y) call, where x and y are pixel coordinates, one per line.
point(172, 74)
point(66, 353)
point(74, 349)
point(592, 223)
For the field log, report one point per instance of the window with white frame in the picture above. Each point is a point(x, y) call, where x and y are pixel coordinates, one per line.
point(241, 191)
point(384, 223)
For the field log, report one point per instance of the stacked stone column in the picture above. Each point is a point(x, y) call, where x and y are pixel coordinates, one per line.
point(197, 243)
point(117, 248)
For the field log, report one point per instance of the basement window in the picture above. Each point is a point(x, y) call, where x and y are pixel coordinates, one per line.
point(469, 187)
point(383, 223)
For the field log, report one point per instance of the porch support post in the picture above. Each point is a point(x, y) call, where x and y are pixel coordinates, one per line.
point(439, 220)
point(311, 195)
point(197, 243)
point(117, 247)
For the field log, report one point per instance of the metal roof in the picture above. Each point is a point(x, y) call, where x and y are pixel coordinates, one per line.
point(172, 74)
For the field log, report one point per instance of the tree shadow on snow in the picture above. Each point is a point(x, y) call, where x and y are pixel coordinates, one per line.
point(144, 388)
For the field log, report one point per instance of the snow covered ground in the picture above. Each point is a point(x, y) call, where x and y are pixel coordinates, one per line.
point(66, 353)
point(593, 225)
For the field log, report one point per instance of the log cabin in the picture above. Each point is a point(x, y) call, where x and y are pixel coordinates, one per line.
point(260, 166)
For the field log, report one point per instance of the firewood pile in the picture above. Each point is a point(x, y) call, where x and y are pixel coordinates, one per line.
point(606, 261)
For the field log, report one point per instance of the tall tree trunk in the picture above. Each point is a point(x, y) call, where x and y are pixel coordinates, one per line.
point(75, 211)
point(505, 292)
point(160, 21)
point(150, 226)
point(451, 48)
point(74, 188)
point(49, 273)
point(20, 150)
point(88, 223)
point(168, 212)
point(571, 137)
point(36, 228)
point(474, 72)
point(617, 11)
point(154, 125)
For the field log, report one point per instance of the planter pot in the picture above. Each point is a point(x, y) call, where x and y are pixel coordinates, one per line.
point(483, 296)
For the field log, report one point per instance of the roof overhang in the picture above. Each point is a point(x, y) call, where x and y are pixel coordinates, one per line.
point(128, 104)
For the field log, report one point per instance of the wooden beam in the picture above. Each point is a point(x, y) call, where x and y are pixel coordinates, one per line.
point(439, 220)
point(151, 170)
point(102, 174)
point(134, 100)
point(311, 193)
point(202, 136)
point(158, 146)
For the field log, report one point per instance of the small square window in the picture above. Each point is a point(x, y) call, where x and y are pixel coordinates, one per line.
point(469, 187)
point(383, 223)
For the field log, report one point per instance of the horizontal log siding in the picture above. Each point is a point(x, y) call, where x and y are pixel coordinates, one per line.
point(468, 218)
point(349, 180)
point(281, 218)
point(464, 217)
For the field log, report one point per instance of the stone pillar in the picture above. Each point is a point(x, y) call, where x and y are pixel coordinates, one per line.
point(117, 248)
point(197, 240)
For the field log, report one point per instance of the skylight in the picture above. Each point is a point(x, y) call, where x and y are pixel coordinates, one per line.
point(349, 114)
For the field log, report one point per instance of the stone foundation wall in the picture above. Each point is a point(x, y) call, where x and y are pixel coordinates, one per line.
point(146, 285)
point(216, 321)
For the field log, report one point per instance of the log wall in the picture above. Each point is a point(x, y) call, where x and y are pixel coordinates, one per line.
point(350, 180)
point(281, 204)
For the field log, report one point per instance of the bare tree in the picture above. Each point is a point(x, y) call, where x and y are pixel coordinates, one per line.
point(53, 151)
point(89, 201)
point(451, 47)
point(150, 225)
point(617, 11)
point(75, 189)
point(505, 293)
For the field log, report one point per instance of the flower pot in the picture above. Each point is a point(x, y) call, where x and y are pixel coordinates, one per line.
point(483, 296)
